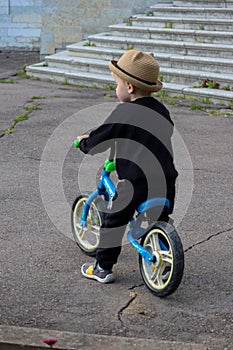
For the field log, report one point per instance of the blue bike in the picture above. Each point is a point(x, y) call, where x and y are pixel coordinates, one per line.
point(161, 255)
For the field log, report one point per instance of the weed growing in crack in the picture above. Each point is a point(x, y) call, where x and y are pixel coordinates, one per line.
point(23, 116)
point(33, 98)
point(16, 120)
point(31, 108)
point(20, 118)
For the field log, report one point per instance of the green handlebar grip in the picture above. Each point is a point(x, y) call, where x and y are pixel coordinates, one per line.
point(76, 143)
point(110, 165)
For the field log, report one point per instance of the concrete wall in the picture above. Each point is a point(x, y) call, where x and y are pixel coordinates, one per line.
point(49, 25)
point(20, 24)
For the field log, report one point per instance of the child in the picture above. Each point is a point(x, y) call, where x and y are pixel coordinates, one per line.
point(141, 129)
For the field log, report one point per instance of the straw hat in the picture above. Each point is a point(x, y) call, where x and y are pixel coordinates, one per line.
point(138, 68)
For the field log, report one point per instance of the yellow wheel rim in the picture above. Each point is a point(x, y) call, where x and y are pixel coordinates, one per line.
point(158, 275)
point(87, 237)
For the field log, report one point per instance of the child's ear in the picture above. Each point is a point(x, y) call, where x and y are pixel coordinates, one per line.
point(131, 88)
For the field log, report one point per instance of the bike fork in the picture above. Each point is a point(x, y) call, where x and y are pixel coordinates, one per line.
point(148, 257)
point(86, 208)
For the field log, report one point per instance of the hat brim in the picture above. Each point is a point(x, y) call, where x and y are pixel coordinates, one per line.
point(133, 80)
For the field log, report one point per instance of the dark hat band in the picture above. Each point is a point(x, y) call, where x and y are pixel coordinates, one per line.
point(134, 77)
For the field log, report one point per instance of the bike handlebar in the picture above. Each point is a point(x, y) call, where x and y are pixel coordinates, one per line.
point(109, 165)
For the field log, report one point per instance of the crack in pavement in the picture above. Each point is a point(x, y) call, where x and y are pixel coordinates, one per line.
point(133, 295)
point(37, 159)
point(207, 239)
point(136, 286)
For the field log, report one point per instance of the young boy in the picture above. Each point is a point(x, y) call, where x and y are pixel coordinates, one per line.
point(140, 128)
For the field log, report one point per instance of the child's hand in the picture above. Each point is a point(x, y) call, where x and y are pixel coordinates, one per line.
point(81, 137)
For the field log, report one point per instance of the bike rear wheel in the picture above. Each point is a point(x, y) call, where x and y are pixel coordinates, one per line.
point(87, 238)
point(164, 275)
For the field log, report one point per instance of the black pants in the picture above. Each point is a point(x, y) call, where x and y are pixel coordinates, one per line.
point(115, 221)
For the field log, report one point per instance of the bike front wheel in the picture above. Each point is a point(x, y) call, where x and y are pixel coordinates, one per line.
point(87, 238)
point(164, 275)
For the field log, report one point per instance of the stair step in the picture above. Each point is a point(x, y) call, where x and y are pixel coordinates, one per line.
point(183, 23)
point(193, 12)
point(190, 35)
point(101, 80)
point(69, 76)
point(206, 3)
point(206, 64)
point(88, 57)
point(194, 78)
point(63, 60)
point(166, 46)
point(212, 64)
point(190, 76)
point(201, 93)
point(164, 3)
point(82, 49)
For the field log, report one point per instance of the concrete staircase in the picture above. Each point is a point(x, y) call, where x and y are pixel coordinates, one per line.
point(192, 40)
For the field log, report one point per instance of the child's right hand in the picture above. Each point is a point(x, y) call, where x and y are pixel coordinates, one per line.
point(81, 137)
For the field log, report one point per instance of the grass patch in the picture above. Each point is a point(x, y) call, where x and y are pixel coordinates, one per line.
point(191, 98)
point(168, 25)
point(31, 108)
point(65, 82)
point(161, 94)
point(109, 87)
point(195, 107)
point(130, 47)
point(9, 131)
point(33, 98)
point(108, 96)
point(79, 86)
point(20, 118)
point(90, 44)
point(160, 77)
point(23, 72)
point(206, 101)
point(7, 81)
point(129, 23)
point(172, 103)
point(56, 96)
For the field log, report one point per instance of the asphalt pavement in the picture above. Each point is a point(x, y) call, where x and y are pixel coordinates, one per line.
point(41, 284)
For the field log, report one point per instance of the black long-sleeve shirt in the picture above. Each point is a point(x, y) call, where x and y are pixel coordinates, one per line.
point(141, 131)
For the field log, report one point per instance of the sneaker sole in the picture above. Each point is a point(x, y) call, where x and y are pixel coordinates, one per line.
point(108, 279)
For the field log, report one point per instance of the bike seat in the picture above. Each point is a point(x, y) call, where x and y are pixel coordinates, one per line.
point(153, 202)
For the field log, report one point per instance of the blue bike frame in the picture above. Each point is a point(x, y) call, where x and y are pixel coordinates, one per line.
point(108, 190)
point(105, 188)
